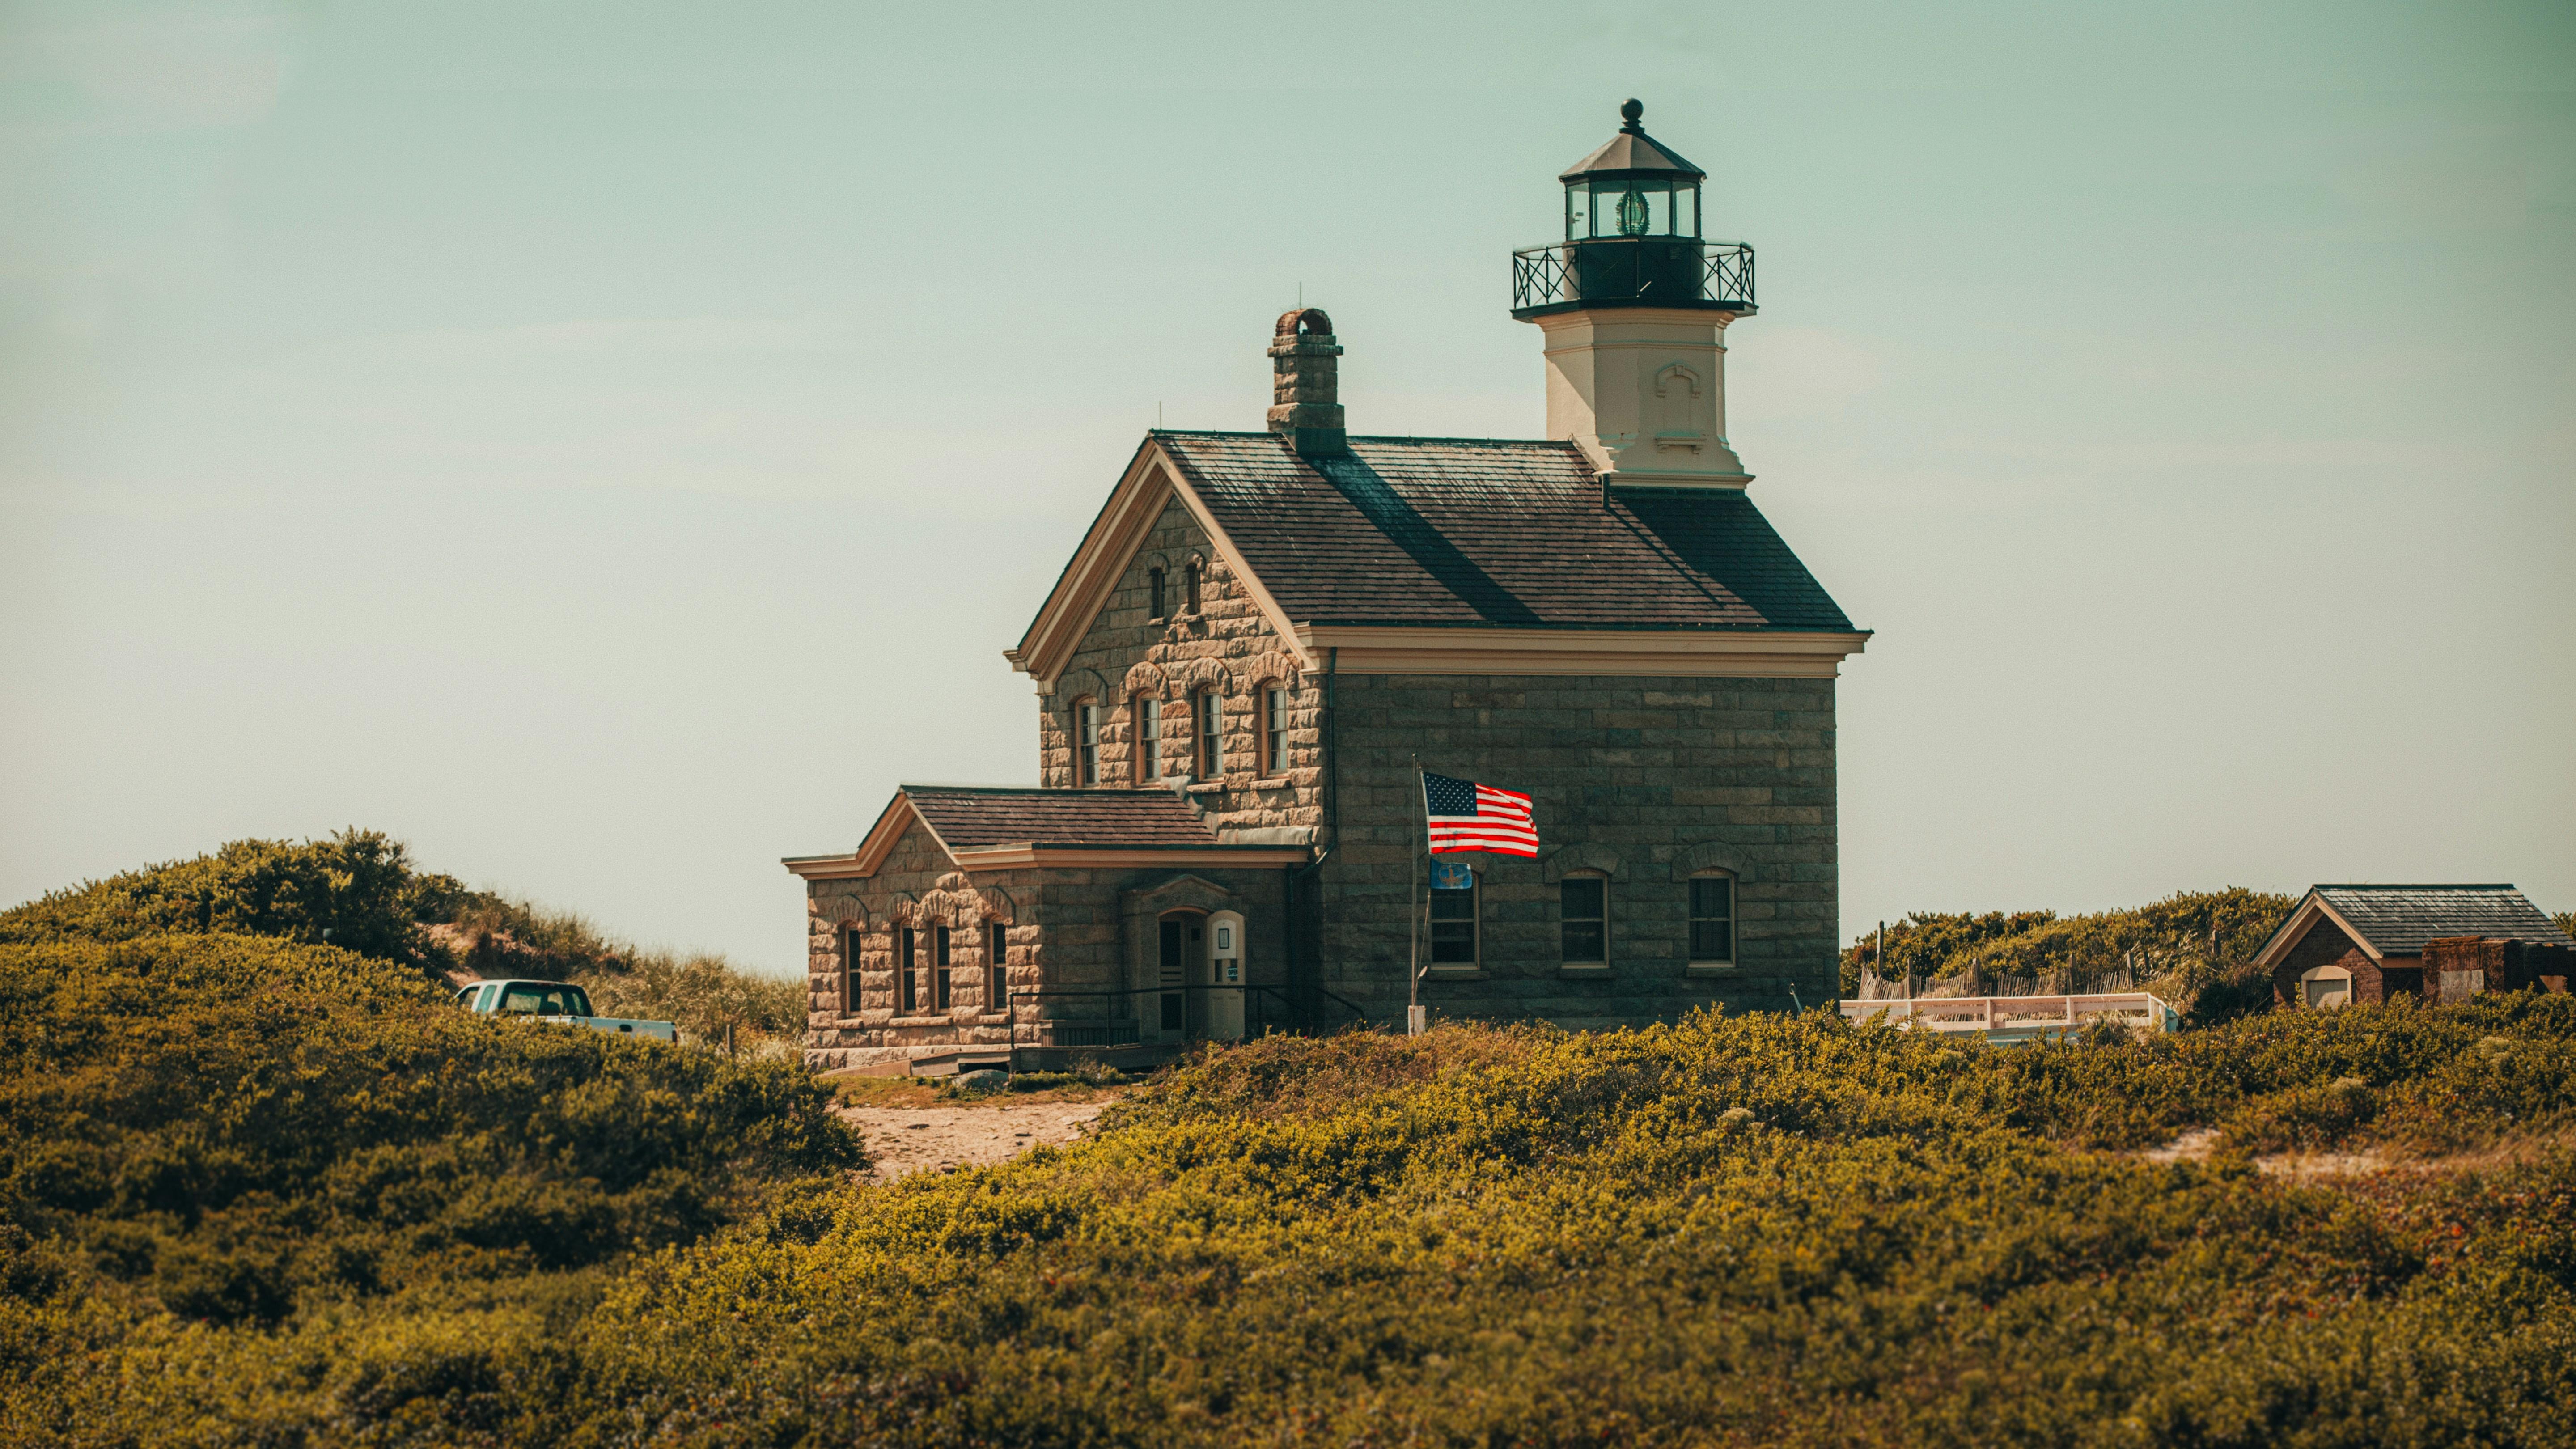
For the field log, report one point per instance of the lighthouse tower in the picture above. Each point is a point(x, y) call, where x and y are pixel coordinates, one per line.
point(1634, 304)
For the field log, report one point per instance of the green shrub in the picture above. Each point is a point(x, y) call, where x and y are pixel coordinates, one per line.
point(2179, 946)
point(356, 890)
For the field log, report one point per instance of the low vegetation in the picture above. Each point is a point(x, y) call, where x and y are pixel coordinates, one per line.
point(289, 1192)
point(380, 1224)
point(2182, 947)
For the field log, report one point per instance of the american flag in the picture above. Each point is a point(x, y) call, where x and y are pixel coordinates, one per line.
point(1468, 816)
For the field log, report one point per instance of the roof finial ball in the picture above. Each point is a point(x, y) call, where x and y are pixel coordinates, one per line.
point(1631, 112)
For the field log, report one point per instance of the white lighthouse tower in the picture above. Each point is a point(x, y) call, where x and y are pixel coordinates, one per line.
point(1635, 304)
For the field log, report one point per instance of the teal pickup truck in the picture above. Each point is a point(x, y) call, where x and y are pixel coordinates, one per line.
point(553, 1001)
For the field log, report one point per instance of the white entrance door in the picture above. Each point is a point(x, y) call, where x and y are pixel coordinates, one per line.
point(1225, 976)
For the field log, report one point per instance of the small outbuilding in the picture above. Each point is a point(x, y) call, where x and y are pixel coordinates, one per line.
point(2347, 943)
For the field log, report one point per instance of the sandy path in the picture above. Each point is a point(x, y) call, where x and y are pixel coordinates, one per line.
point(906, 1140)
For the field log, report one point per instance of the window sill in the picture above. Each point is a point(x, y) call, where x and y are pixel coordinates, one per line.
point(1273, 782)
point(1454, 973)
point(1711, 968)
point(923, 1021)
point(1584, 968)
point(1204, 787)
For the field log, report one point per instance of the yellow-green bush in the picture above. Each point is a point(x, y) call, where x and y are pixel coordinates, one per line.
point(258, 1189)
point(352, 1218)
point(1730, 1230)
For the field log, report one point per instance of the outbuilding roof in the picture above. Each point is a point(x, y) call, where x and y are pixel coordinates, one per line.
point(968, 816)
point(2397, 920)
point(1467, 532)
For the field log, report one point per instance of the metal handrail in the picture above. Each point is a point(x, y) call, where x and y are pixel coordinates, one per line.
point(1288, 1016)
point(1545, 276)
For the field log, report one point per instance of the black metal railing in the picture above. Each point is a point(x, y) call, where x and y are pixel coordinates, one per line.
point(1124, 1023)
point(1644, 271)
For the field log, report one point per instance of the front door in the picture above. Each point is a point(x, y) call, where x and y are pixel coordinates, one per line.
point(1224, 1020)
point(1183, 944)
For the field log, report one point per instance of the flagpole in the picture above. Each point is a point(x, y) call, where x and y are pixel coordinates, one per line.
point(1420, 908)
point(1413, 910)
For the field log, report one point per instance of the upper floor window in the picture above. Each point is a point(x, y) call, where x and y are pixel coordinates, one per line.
point(1274, 730)
point(1147, 715)
point(1583, 919)
point(1205, 728)
point(1190, 587)
point(997, 966)
point(906, 989)
point(1712, 918)
point(1454, 922)
point(1086, 742)
point(1154, 593)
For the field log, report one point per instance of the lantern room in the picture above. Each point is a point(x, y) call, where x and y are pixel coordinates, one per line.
point(1632, 187)
point(1632, 237)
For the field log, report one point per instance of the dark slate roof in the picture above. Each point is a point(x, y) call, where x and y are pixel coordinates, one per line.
point(2399, 919)
point(1453, 531)
point(967, 816)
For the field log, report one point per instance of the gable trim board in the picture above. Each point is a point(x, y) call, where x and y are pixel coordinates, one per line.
point(1152, 479)
point(2291, 932)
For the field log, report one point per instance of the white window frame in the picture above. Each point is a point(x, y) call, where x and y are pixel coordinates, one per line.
point(1274, 731)
point(1086, 742)
point(1145, 715)
point(2314, 974)
point(1588, 962)
point(1734, 919)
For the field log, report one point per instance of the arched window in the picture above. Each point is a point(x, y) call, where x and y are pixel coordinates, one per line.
point(850, 938)
point(1086, 742)
point(1712, 918)
point(906, 989)
point(1145, 715)
point(1206, 710)
point(997, 966)
point(942, 978)
point(1154, 594)
point(1190, 584)
point(1274, 730)
point(1583, 918)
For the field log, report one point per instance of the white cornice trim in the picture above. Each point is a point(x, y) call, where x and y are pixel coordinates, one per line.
point(823, 867)
point(1767, 654)
point(1007, 857)
point(1150, 481)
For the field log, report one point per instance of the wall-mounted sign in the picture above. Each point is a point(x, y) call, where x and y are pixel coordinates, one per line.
point(1452, 875)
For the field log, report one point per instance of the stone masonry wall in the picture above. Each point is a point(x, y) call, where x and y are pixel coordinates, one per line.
point(2325, 944)
point(917, 886)
point(1129, 653)
point(1646, 779)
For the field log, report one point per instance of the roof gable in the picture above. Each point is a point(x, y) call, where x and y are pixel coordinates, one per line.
point(1109, 546)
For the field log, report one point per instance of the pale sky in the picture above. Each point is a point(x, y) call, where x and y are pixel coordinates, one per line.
point(610, 446)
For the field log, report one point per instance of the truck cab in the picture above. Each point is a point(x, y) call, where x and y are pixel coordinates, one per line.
point(553, 1002)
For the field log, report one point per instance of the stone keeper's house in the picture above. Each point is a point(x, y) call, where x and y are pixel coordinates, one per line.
point(1265, 634)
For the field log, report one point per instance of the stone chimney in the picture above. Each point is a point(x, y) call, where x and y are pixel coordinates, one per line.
point(1306, 406)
